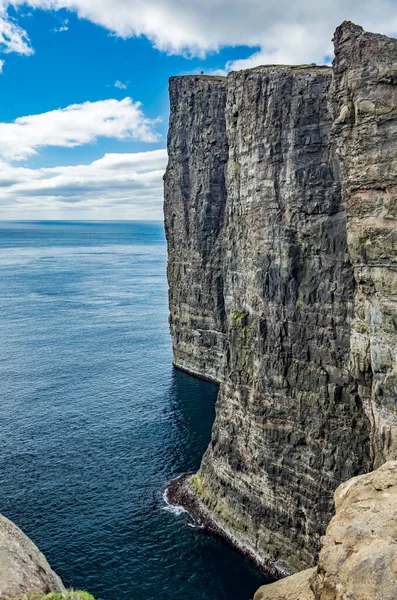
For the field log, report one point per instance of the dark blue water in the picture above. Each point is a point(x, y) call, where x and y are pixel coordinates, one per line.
point(94, 420)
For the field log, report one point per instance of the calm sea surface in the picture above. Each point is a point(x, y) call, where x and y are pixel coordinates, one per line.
point(94, 420)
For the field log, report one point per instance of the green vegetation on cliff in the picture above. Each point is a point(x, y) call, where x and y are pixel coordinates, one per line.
point(67, 595)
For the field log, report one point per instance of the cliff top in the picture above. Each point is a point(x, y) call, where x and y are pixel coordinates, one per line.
point(257, 69)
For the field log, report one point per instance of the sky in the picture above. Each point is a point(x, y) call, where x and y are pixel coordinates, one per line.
point(84, 88)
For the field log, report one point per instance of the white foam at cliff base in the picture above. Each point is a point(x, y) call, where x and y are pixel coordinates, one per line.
point(175, 510)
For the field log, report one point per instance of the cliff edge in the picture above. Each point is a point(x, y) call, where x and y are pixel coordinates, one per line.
point(24, 571)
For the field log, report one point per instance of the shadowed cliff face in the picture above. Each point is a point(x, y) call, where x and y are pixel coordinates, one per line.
point(309, 325)
point(364, 101)
point(290, 425)
point(195, 197)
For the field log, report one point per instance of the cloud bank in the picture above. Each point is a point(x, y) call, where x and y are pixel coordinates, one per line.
point(115, 186)
point(76, 125)
point(285, 31)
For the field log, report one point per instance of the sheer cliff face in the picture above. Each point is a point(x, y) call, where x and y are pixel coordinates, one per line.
point(304, 258)
point(364, 100)
point(290, 425)
point(195, 197)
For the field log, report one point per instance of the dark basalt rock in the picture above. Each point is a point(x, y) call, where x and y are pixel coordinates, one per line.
point(285, 289)
point(195, 198)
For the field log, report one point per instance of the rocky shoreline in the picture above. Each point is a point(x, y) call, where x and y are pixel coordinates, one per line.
point(180, 495)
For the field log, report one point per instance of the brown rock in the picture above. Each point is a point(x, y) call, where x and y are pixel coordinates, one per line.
point(358, 558)
point(296, 587)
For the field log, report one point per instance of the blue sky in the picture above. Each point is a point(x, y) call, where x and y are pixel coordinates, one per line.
point(110, 61)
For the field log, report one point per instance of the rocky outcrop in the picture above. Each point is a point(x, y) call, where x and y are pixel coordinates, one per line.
point(23, 568)
point(304, 314)
point(295, 587)
point(358, 558)
point(195, 197)
point(364, 103)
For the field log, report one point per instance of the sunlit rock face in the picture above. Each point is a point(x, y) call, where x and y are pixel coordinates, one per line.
point(364, 102)
point(304, 328)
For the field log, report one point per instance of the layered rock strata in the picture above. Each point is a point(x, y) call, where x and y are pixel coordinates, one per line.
point(195, 198)
point(358, 558)
point(304, 254)
point(364, 104)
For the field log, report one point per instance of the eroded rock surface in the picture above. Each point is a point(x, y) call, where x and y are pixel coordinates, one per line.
point(295, 587)
point(195, 197)
point(303, 315)
point(364, 102)
point(358, 558)
point(23, 568)
point(290, 425)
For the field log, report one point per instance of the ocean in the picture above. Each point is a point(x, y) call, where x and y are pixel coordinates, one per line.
point(94, 419)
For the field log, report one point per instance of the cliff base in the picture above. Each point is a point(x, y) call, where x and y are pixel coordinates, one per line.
point(180, 493)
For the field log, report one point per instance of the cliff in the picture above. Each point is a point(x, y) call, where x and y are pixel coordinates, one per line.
point(280, 218)
point(358, 557)
point(364, 104)
point(195, 196)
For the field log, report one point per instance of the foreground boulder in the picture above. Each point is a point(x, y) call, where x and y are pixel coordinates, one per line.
point(358, 558)
point(23, 568)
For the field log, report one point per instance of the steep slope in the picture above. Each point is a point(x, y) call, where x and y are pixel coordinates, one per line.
point(290, 426)
point(23, 568)
point(358, 558)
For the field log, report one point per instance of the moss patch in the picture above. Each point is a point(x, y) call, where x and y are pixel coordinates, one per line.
point(68, 595)
point(236, 318)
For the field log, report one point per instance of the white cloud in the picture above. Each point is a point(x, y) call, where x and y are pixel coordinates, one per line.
point(117, 185)
point(64, 26)
point(285, 31)
point(12, 37)
point(120, 85)
point(75, 125)
point(2, 63)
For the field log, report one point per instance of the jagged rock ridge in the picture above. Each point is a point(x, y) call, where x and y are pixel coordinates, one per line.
point(280, 210)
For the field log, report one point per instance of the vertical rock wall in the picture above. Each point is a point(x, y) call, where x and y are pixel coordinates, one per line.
point(195, 198)
point(364, 100)
point(280, 214)
point(290, 425)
